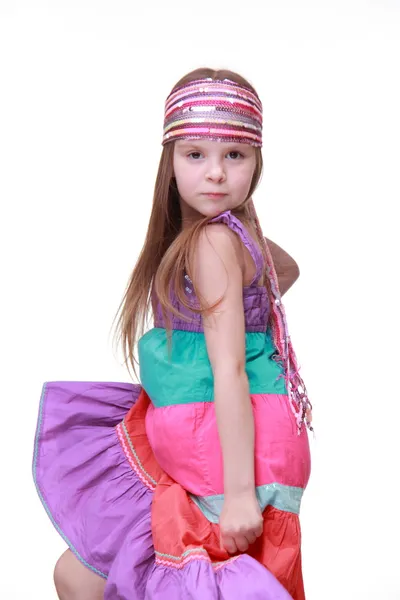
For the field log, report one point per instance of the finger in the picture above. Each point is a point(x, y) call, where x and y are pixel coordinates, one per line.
point(229, 544)
point(241, 543)
point(258, 531)
point(251, 537)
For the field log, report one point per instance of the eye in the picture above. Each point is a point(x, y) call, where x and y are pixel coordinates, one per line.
point(194, 155)
point(235, 154)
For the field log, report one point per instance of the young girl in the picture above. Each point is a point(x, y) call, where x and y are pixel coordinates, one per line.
point(189, 485)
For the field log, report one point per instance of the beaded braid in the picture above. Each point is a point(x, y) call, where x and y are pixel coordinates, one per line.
point(297, 392)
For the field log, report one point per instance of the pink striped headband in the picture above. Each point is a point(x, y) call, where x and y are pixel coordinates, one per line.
point(222, 111)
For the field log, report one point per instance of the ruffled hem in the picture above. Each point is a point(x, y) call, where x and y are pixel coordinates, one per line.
point(239, 578)
point(81, 473)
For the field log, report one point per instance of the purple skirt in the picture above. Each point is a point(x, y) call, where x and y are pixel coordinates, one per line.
point(102, 509)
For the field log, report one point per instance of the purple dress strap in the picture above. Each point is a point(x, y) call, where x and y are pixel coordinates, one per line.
point(237, 227)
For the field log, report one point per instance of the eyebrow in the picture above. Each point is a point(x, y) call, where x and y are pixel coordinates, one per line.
point(188, 144)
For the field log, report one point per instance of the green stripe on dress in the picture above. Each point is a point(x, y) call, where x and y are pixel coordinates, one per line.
point(183, 375)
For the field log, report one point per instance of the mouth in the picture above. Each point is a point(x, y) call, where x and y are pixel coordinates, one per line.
point(211, 195)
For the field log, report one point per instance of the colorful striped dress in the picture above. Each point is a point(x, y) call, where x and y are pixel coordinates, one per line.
point(132, 475)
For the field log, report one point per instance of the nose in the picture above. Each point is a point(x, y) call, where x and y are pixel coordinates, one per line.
point(216, 173)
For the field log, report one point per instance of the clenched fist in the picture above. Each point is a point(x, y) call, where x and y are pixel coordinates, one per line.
point(241, 523)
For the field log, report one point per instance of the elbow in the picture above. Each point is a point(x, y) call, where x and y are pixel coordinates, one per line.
point(288, 278)
point(295, 271)
point(229, 368)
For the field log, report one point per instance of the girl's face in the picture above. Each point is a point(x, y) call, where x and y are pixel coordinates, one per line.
point(212, 177)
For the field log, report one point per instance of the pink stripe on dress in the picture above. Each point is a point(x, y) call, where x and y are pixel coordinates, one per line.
point(185, 442)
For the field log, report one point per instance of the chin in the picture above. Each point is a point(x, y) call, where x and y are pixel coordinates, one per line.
point(214, 210)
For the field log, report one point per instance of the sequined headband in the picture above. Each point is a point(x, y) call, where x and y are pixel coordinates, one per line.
point(215, 110)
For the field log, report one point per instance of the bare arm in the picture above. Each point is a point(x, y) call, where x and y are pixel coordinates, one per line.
point(218, 273)
point(287, 269)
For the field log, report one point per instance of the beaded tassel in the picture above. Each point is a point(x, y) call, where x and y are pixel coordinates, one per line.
point(297, 392)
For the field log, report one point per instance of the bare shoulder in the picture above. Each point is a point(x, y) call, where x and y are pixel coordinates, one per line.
point(217, 260)
point(219, 235)
point(217, 240)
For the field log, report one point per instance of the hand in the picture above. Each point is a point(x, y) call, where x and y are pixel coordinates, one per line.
point(241, 523)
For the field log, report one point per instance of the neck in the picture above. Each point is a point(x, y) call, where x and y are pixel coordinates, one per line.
point(189, 215)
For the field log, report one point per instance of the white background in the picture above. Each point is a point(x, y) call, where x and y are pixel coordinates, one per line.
point(83, 85)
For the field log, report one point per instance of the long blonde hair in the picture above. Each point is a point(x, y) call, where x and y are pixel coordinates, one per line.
point(168, 248)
